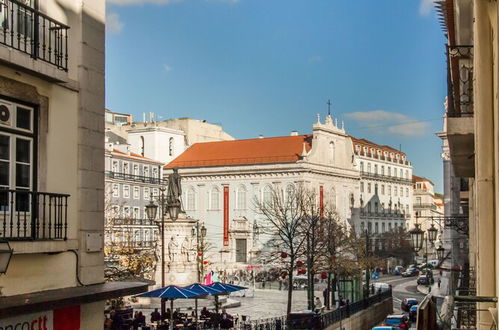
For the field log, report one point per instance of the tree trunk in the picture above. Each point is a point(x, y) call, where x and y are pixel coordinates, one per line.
point(328, 290)
point(290, 287)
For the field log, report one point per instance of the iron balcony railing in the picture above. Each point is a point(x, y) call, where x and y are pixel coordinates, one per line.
point(133, 222)
point(32, 32)
point(370, 175)
point(424, 206)
point(30, 215)
point(460, 101)
point(383, 215)
point(132, 177)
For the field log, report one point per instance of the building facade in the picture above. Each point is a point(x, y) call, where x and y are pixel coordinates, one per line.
point(428, 206)
point(385, 187)
point(221, 180)
point(52, 170)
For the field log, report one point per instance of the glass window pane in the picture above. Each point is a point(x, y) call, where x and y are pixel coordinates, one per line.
point(4, 147)
point(23, 150)
point(22, 175)
point(23, 118)
point(4, 173)
point(22, 201)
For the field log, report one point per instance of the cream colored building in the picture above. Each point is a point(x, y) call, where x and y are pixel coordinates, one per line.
point(472, 131)
point(52, 164)
point(427, 205)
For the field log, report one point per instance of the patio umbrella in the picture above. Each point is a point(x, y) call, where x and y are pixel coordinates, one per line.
point(203, 290)
point(171, 292)
point(224, 288)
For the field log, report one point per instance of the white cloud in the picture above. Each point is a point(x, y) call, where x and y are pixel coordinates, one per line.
point(140, 2)
point(113, 23)
point(425, 7)
point(389, 123)
point(167, 68)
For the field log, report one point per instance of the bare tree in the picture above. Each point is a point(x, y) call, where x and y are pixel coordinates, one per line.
point(283, 214)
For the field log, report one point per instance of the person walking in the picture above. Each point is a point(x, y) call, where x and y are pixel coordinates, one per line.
point(318, 304)
point(439, 282)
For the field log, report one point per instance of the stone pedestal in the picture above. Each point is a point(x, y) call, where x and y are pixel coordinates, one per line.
point(180, 252)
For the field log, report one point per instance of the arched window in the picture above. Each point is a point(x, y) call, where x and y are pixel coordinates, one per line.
point(214, 199)
point(191, 199)
point(290, 192)
point(267, 195)
point(142, 145)
point(170, 147)
point(332, 199)
point(241, 198)
point(331, 150)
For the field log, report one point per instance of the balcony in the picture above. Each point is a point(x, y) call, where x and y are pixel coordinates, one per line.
point(133, 178)
point(31, 32)
point(133, 222)
point(460, 110)
point(29, 215)
point(377, 176)
point(424, 206)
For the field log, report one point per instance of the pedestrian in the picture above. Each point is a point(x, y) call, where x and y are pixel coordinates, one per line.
point(372, 288)
point(155, 316)
point(325, 294)
point(439, 282)
point(318, 305)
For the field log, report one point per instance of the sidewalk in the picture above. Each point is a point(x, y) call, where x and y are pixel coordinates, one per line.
point(435, 290)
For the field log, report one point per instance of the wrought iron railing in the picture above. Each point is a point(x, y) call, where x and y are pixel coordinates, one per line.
point(132, 177)
point(385, 177)
point(460, 81)
point(30, 215)
point(424, 206)
point(32, 32)
point(132, 222)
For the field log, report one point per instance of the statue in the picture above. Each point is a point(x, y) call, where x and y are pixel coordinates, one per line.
point(185, 249)
point(172, 247)
point(174, 188)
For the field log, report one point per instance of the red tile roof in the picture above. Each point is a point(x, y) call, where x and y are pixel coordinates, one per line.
point(416, 178)
point(369, 144)
point(283, 149)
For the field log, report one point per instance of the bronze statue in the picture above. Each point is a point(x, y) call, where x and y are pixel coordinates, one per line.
point(174, 188)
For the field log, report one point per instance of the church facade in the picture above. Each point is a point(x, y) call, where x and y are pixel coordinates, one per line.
point(221, 180)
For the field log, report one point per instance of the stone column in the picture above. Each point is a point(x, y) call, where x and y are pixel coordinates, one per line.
point(484, 161)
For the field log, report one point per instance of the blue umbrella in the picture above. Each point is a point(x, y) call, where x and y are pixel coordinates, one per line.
point(224, 288)
point(203, 290)
point(171, 292)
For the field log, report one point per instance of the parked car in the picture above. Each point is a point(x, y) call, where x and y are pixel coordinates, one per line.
point(383, 327)
point(425, 280)
point(399, 320)
point(398, 270)
point(410, 272)
point(413, 313)
point(406, 304)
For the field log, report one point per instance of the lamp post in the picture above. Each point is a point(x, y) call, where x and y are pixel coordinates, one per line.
point(173, 210)
point(200, 234)
point(418, 237)
point(440, 253)
point(5, 254)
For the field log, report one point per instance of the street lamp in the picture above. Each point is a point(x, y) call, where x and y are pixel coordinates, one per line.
point(432, 233)
point(440, 252)
point(5, 254)
point(416, 238)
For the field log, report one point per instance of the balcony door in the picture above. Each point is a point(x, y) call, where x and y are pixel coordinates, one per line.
point(241, 250)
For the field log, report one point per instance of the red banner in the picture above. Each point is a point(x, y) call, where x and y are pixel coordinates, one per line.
point(226, 216)
point(321, 201)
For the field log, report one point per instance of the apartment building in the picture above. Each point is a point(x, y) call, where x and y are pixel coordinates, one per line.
point(51, 165)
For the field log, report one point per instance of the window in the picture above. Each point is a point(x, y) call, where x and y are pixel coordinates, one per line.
point(116, 190)
point(136, 213)
point(147, 193)
point(389, 171)
point(125, 168)
point(170, 147)
point(155, 192)
point(382, 170)
point(369, 188)
point(126, 191)
point(135, 169)
point(191, 199)
point(401, 192)
point(383, 227)
point(116, 166)
point(376, 228)
point(267, 195)
point(362, 187)
point(362, 226)
point(155, 172)
point(136, 192)
point(390, 226)
point(214, 199)
point(369, 227)
point(375, 169)
point(369, 207)
point(331, 149)
point(241, 250)
point(376, 189)
point(389, 190)
point(406, 192)
point(241, 198)
point(146, 171)
point(382, 189)
point(142, 145)
point(290, 193)
point(401, 173)
point(395, 191)
point(332, 198)
point(418, 200)
point(362, 166)
point(369, 167)
point(376, 207)
point(126, 211)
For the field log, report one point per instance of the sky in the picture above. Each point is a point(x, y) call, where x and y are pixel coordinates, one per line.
point(269, 66)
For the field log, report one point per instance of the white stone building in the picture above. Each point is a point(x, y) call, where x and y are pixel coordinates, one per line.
point(385, 187)
point(427, 205)
point(221, 179)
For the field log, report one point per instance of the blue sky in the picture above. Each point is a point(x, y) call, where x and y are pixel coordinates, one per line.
point(269, 66)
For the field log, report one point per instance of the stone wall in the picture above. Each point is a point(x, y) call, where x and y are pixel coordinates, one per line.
point(366, 319)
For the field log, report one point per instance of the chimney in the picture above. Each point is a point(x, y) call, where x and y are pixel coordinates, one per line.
point(294, 133)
